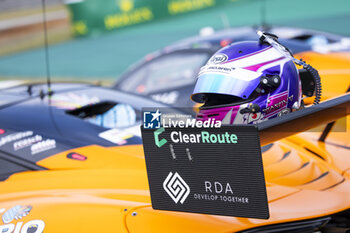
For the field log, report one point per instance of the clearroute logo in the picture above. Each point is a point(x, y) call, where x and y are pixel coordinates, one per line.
point(151, 120)
point(176, 187)
point(158, 142)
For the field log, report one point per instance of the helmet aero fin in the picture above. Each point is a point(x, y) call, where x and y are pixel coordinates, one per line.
point(305, 74)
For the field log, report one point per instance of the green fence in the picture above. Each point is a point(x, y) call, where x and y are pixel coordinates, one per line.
point(90, 17)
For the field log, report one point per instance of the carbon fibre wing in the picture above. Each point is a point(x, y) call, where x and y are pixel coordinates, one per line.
point(303, 120)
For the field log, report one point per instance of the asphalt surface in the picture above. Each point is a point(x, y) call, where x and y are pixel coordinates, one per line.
point(107, 56)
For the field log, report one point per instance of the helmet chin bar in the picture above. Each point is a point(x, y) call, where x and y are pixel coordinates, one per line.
point(272, 40)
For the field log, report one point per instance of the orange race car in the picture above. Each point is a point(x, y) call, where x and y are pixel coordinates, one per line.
point(103, 186)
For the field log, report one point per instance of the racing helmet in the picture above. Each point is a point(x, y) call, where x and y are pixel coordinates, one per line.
point(247, 82)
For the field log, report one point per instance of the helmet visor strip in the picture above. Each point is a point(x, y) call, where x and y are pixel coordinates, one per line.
point(220, 79)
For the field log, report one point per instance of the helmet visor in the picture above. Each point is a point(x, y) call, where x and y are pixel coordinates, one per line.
point(223, 80)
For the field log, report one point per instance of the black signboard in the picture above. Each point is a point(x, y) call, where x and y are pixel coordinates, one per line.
point(206, 170)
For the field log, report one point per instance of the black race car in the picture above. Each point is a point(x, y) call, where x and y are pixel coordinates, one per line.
point(169, 75)
point(35, 124)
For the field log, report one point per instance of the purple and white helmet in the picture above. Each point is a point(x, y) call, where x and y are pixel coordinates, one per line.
point(247, 82)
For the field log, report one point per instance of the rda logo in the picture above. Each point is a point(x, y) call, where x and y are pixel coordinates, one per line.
point(176, 187)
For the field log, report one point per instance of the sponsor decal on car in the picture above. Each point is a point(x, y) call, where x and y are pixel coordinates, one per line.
point(33, 226)
point(72, 100)
point(15, 136)
point(167, 97)
point(76, 156)
point(43, 146)
point(116, 136)
point(26, 142)
point(17, 213)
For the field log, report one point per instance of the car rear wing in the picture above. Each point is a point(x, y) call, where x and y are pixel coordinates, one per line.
point(305, 119)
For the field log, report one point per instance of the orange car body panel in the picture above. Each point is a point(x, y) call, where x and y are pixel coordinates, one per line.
point(109, 192)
